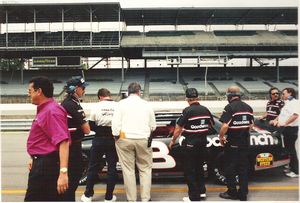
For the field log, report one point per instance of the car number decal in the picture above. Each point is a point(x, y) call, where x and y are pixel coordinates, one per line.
point(162, 152)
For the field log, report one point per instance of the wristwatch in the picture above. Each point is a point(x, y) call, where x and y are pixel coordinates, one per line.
point(63, 170)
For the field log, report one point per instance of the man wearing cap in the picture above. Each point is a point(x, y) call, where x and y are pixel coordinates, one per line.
point(193, 126)
point(237, 120)
point(78, 126)
point(47, 144)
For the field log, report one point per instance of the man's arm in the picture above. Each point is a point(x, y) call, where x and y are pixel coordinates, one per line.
point(177, 132)
point(116, 123)
point(62, 182)
point(152, 122)
point(263, 116)
point(291, 119)
point(86, 128)
point(222, 133)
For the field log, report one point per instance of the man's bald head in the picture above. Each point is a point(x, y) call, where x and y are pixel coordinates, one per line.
point(234, 90)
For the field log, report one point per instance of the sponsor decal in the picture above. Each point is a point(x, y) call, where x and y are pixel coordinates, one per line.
point(241, 122)
point(215, 141)
point(264, 160)
point(199, 126)
point(262, 139)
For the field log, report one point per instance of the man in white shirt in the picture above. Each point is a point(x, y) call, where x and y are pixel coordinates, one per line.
point(103, 144)
point(132, 123)
point(288, 120)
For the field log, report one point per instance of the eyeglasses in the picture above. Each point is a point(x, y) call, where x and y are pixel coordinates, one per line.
point(275, 93)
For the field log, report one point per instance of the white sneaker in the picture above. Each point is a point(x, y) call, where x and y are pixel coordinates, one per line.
point(186, 199)
point(287, 166)
point(203, 195)
point(286, 170)
point(113, 199)
point(85, 198)
point(292, 175)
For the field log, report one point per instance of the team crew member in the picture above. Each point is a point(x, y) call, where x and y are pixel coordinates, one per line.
point(193, 125)
point(288, 120)
point(78, 126)
point(47, 144)
point(237, 119)
point(133, 121)
point(273, 108)
point(103, 144)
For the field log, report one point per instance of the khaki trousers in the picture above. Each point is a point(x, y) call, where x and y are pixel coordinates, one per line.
point(133, 152)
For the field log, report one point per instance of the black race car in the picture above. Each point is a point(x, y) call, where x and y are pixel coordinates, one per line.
point(266, 150)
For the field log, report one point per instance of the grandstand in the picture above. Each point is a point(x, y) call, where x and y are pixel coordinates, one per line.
point(174, 46)
point(157, 84)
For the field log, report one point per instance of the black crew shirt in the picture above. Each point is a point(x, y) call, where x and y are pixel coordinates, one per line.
point(239, 116)
point(196, 121)
point(273, 109)
point(76, 117)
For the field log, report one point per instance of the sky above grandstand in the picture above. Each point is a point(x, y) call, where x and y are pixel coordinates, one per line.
point(169, 3)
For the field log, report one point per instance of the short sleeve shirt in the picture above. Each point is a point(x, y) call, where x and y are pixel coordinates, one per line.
point(291, 107)
point(273, 109)
point(102, 115)
point(196, 121)
point(48, 129)
point(239, 116)
point(76, 117)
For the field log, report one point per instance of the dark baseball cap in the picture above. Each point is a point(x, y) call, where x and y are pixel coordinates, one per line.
point(77, 81)
point(191, 93)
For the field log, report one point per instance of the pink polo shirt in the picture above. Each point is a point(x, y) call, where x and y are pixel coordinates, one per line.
point(48, 129)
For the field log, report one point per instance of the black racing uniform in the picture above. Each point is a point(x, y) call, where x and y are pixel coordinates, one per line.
point(239, 116)
point(273, 109)
point(196, 121)
point(76, 118)
point(103, 144)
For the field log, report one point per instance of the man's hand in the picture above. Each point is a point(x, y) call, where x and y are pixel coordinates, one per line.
point(30, 165)
point(260, 118)
point(171, 144)
point(62, 183)
point(274, 123)
point(223, 141)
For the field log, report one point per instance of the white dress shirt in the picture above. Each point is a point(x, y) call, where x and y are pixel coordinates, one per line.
point(290, 107)
point(134, 117)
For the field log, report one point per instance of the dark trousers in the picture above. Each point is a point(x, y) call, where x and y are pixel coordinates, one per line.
point(236, 163)
point(290, 135)
point(42, 180)
point(75, 170)
point(102, 146)
point(193, 170)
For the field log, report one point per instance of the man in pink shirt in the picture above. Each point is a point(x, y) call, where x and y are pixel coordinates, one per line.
point(47, 144)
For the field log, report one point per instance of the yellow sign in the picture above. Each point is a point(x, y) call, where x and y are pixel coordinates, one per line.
point(264, 160)
point(44, 61)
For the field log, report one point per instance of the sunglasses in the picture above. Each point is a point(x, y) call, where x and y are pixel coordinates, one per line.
point(275, 93)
